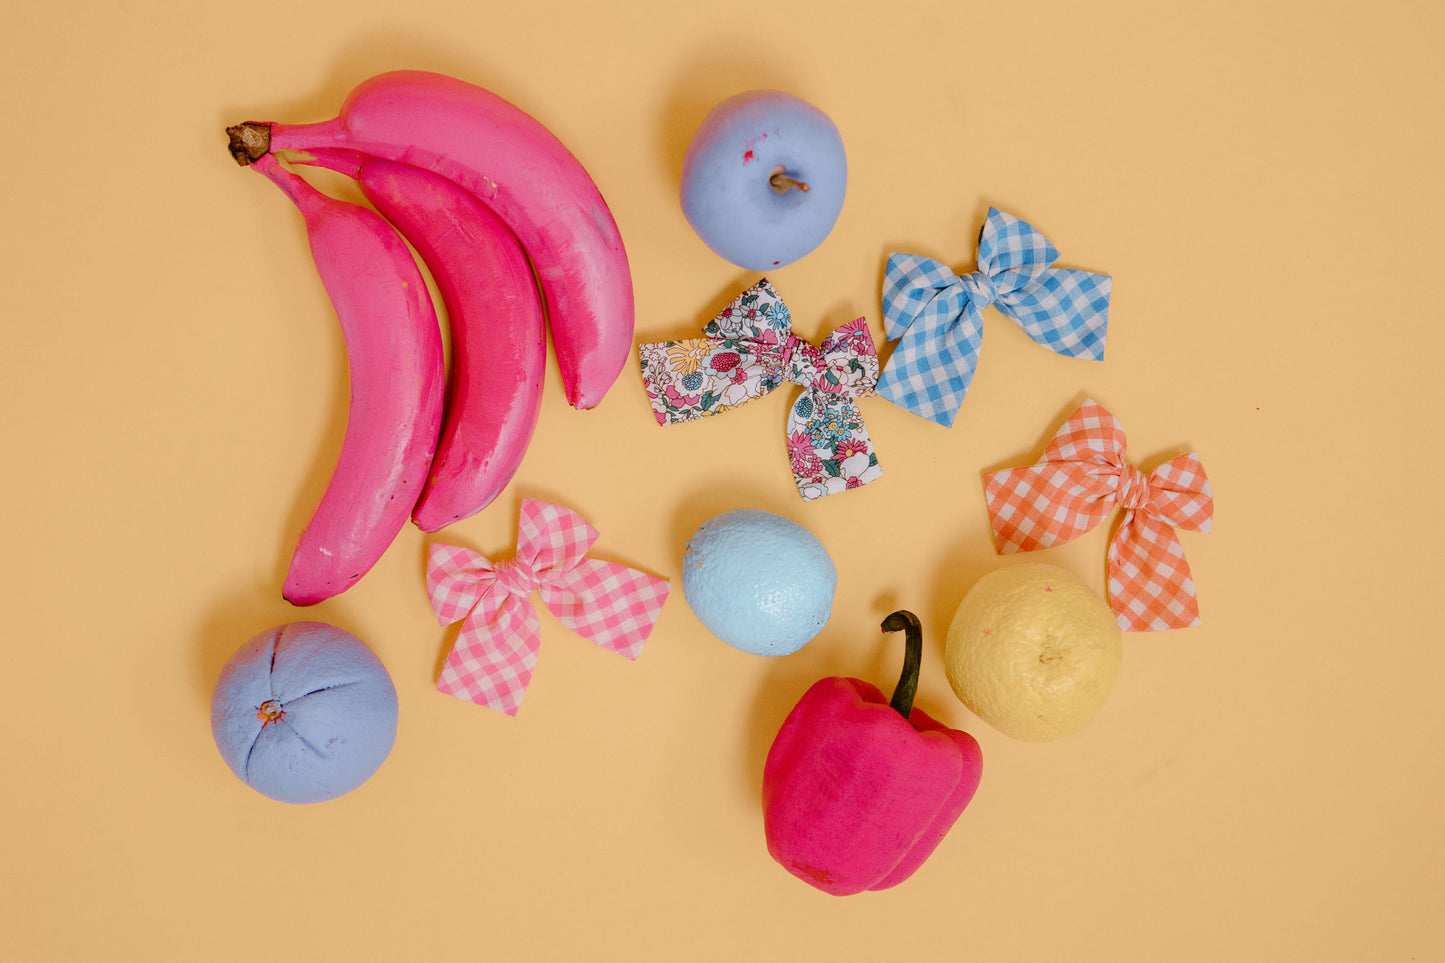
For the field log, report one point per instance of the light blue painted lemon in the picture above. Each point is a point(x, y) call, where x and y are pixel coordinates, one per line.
point(759, 582)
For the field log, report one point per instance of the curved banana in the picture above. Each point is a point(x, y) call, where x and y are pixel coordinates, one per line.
point(522, 172)
point(499, 342)
point(394, 355)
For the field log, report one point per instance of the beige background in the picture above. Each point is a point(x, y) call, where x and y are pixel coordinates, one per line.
point(1262, 180)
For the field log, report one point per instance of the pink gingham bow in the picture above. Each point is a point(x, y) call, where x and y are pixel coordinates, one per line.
point(1082, 478)
point(492, 661)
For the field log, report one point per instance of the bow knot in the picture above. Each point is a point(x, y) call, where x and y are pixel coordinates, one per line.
point(937, 316)
point(1133, 488)
point(1082, 477)
point(979, 288)
point(496, 650)
point(749, 350)
point(805, 365)
point(516, 577)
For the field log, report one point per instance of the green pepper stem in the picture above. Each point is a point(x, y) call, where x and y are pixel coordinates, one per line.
point(902, 701)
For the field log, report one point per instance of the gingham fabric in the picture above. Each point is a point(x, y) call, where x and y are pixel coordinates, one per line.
point(750, 349)
point(937, 316)
point(1081, 479)
point(492, 661)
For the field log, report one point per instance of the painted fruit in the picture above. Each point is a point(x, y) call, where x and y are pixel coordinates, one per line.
point(1033, 651)
point(763, 179)
point(304, 712)
point(859, 789)
point(759, 582)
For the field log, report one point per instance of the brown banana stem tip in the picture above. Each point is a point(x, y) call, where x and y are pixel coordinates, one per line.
point(249, 142)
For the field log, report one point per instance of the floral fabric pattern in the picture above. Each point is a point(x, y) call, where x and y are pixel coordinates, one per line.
point(747, 351)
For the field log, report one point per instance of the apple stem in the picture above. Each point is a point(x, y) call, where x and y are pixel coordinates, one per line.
point(779, 180)
point(902, 701)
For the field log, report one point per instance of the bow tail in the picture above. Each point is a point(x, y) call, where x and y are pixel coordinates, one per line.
point(493, 659)
point(1150, 585)
point(932, 367)
point(610, 604)
point(828, 444)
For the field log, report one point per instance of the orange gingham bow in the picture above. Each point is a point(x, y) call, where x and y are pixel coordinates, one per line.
point(1081, 479)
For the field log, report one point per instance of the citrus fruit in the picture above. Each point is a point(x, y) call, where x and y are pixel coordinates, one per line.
point(304, 712)
point(1033, 651)
point(759, 582)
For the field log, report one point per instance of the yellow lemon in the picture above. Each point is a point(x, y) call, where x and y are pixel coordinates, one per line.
point(1033, 651)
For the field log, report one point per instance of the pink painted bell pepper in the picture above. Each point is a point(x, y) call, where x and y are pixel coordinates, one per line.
point(857, 790)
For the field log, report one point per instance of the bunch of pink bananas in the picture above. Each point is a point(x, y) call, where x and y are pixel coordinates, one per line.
point(485, 194)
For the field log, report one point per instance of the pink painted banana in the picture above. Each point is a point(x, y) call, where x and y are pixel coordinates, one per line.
point(521, 171)
point(394, 354)
point(499, 343)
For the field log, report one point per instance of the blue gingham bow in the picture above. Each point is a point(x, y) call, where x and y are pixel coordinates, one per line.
point(939, 315)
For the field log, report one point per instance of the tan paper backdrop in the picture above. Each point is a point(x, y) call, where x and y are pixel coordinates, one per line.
point(1263, 182)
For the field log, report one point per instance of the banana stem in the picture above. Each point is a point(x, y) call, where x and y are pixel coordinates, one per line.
point(780, 182)
point(902, 701)
point(302, 194)
point(249, 142)
point(346, 162)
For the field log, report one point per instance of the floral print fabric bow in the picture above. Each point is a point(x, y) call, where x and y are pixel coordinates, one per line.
point(1082, 478)
point(750, 349)
point(492, 661)
point(937, 316)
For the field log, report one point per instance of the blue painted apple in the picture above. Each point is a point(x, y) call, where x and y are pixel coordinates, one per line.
point(764, 178)
point(304, 712)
